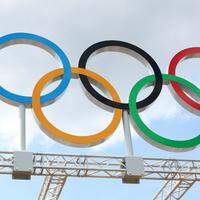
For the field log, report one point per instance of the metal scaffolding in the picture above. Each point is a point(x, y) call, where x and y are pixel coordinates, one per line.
point(179, 175)
point(174, 189)
point(52, 187)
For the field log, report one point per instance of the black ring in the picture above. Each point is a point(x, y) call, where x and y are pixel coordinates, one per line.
point(104, 46)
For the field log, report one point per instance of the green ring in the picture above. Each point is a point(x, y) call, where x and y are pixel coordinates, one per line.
point(148, 134)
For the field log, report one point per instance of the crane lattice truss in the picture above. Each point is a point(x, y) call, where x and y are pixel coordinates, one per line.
point(179, 175)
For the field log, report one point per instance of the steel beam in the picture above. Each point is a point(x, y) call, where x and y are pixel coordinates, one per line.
point(179, 173)
point(52, 187)
point(46, 164)
point(174, 189)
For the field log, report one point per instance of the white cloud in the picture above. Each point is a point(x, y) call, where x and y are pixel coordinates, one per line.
point(157, 27)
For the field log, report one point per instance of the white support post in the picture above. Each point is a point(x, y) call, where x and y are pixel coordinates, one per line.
point(22, 113)
point(127, 133)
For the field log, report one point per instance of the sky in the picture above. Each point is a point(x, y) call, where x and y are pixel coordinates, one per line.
point(161, 28)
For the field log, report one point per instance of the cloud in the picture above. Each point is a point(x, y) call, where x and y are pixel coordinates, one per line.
point(157, 27)
point(10, 128)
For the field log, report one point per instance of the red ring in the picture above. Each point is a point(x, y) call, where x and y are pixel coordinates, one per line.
point(172, 70)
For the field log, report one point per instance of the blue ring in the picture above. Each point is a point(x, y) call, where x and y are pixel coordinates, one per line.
point(27, 100)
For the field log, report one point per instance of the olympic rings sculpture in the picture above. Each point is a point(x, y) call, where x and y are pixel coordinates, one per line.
point(36, 102)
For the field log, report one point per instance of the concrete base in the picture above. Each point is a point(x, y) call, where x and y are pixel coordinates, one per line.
point(23, 165)
point(135, 169)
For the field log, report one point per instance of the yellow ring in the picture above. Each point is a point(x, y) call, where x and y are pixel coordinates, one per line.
point(67, 138)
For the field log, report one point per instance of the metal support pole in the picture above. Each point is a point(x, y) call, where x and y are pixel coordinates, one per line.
point(22, 113)
point(127, 132)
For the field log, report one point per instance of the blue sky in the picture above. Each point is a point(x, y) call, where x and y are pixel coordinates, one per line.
point(160, 28)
